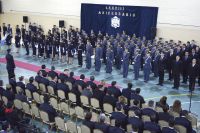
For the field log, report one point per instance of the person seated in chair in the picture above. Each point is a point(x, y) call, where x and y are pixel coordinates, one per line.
point(30, 86)
point(13, 83)
point(183, 121)
point(149, 111)
point(101, 125)
point(46, 107)
point(87, 121)
point(152, 125)
point(71, 78)
point(53, 84)
point(81, 81)
point(76, 91)
point(165, 115)
point(21, 83)
point(43, 69)
point(137, 121)
point(128, 92)
point(44, 80)
point(52, 73)
point(39, 76)
point(162, 103)
point(8, 93)
point(99, 94)
point(20, 96)
point(64, 87)
point(110, 99)
point(119, 116)
point(116, 128)
point(87, 92)
point(114, 90)
point(91, 82)
point(64, 76)
point(137, 96)
point(2, 111)
point(169, 129)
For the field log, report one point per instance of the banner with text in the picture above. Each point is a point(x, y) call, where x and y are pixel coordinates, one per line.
point(114, 19)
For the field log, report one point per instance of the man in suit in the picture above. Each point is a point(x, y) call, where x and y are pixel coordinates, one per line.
point(152, 125)
point(161, 69)
point(87, 121)
point(185, 65)
point(193, 73)
point(117, 128)
point(8, 93)
point(71, 78)
point(81, 81)
point(64, 76)
point(21, 83)
point(52, 73)
point(43, 69)
point(26, 41)
point(169, 129)
point(91, 82)
point(150, 110)
point(64, 87)
point(170, 58)
point(46, 107)
point(87, 92)
point(176, 70)
point(119, 116)
point(13, 83)
point(114, 90)
point(102, 125)
point(32, 88)
point(10, 65)
point(53, 84)
point(99, 94)
point(44, 80)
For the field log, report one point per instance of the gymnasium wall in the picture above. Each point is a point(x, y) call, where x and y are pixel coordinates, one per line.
point(177, 19)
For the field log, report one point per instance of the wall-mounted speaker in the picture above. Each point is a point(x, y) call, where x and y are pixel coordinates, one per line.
point(61, 23)
point(25, 19)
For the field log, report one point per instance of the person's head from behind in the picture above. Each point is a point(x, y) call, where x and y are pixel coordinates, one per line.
point(71, 74)
point(135, 102)
point(92, 78)
point(153, 118)
point(165, 109)
point(151, 103)
point(88, 116)
point(31, 79)
point(8, 51)
point(130, 85)
point(43, 67)
point(163, 100)
point(21, 78)
point(118, 107)
point(171, 122)
point(53, 68)
point(66, 71)
point(176, 106)
point(113, 83)
point(8, 87)
point(82, 76)
point(102, 118)
point(137, 90)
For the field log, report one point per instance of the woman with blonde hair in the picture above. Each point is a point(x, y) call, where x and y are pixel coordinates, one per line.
point(162, 103)
point(176, 107)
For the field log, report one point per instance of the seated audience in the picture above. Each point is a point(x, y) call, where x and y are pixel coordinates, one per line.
point(101, 125)
point(99, 94)
point(152, 125)
point(71, 78)
point(176, 107)
point(165, 115)
point(76, 91)
point(11, 114)
point(64, 76)
point(44, 80)
point(43, 70)
point(21, 83)
point(20, 96)
point(46, 107)
point(119, 116)
point(162, 103)
point(30, 86)
point(117, 128)
point(91, 82)
point(150, 110)
point(87, 92)
point(169, 129)
point(114, 90)
point(137, 96)
point(81, 81)
point(128, 92)
point(52, 73)
point(137, 121)
point(64, 87)
point(13, 83)
point(87, 121)
point(8, 93)
point(53, 84)
point(108, 98)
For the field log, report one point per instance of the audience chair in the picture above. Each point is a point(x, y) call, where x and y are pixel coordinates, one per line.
point(85, 101)
point(60, 124)
point(45, 119)
point(72, 97)
point(51, 90)
point(26, 108)
point(95, 103)
point(28, 93)
point(193, 118)
point(158, 109)
point(145, 118)
point(64, 107)
point(26, 81)
point(85, 129)
point(69, 85)
point(129, 128)
point(146, 131)
point(97, 131)
point(18, 104)
point(19, 89)
point(71, 127)
point(35, 83)
point(36, 97)
point(79, 112)
point(163, 123)
point(61, 94)
point(108, 108)
point(42, 88)
point(5, 100)
point(35, 111)
point(54, 103)
point(175, 114)
point(180, 128)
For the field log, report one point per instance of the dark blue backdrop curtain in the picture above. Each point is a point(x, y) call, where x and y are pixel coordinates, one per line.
point(132, 19)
